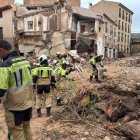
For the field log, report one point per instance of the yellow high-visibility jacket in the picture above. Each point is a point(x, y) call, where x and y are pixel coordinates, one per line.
point(43, 75)
point(94, 62)
point(16, 82)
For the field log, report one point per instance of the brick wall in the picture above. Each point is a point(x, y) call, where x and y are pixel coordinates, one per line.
point(69, 2)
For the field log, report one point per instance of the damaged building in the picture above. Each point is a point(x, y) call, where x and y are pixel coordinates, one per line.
point(51, 28)
point(96, 36)
point(42, 30)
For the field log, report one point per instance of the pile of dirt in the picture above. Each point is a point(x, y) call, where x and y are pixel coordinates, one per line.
point(114, 101)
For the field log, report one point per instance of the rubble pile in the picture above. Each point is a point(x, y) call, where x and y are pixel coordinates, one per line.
point(113, 104)
point(107, 107)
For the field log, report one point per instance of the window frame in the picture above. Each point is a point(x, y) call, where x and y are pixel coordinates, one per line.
point(29, 25)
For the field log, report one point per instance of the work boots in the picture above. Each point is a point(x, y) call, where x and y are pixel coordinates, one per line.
point(39, 112)
point(97, 79)
point(60, 102)
point(48, 110)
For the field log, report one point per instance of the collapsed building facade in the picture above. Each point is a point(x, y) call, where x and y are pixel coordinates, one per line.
point(42, 30)
point(59, 27)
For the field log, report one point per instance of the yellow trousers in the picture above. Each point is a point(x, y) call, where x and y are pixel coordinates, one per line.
point(19, 132)
point(43, 99)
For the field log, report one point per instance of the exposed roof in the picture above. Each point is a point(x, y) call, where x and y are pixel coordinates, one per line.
point(112, 2)
point(7, 7)
point(35, 13)
point(83, 12)
point(135, 36)
point(33, 9)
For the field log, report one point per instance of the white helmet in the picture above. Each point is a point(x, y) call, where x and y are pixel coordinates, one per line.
point(42, 58)
point(58, 54)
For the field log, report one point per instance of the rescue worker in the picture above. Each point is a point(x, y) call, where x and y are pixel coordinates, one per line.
point(43, 77)
point(61, 73)
point(16, 92)
point(93, 62)
point(60, 59)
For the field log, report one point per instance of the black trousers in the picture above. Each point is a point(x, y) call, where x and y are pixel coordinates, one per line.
point(43, 89)
point(21, 116)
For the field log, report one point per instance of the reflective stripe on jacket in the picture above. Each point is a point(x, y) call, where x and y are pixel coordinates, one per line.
point(43, 74)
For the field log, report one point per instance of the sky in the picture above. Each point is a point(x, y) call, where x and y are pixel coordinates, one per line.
point(133, 5)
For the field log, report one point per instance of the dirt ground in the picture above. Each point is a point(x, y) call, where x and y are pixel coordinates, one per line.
point(122, 73)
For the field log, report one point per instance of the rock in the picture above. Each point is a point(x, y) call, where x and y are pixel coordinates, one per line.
point(83, 138)
point(107, 138)
point(86, 133)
